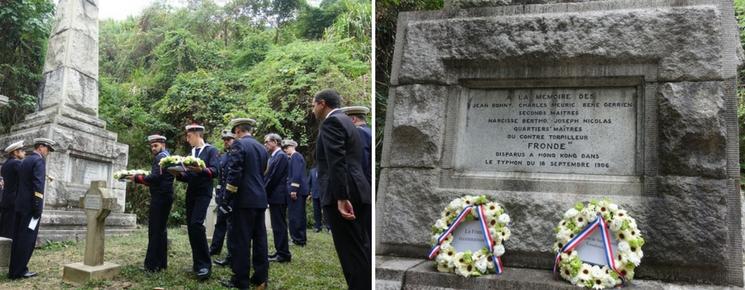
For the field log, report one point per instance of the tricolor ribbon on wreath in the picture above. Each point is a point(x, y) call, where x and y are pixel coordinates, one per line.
point(598, 223)
point(485, 230)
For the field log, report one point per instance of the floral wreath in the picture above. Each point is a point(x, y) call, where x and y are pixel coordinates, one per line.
point(579, 223)
point(495, 232)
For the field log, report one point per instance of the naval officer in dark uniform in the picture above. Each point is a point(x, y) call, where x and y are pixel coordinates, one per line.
point(161, 200)
point(275, 181)
point(9, 173)
point(222, 223)
point(246, 198)
point(198, 196)
point(358, 114)
point(297, 185)
point(29, 205)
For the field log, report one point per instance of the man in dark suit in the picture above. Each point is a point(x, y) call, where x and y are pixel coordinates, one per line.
point(298, 188)
point(9, 173)
point(319, 219)
point(29, 205)
point(345, 191)
point(161, 200)
point(275, 181)
point(198, 196)
point(222, 224)
point(245, 199)
point(358, 114)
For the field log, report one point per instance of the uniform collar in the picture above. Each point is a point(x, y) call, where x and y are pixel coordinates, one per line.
point(332, 111)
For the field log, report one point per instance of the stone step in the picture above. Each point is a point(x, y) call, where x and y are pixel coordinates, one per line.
point(406, 273)
point(74, 234)
point(64, 217)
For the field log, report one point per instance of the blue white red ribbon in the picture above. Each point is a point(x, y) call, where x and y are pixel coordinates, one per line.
point(459, 219)
point(488, 240)
point(598, 223)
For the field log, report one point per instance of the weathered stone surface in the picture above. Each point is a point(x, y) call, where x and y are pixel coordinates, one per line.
point(671, 244)
point(66, 86)
point(417, 126)
point(5, 244)
point(79, 273)
point(463, 4)
point(73, 49)
point(81, 15)
point(3, 100)
point(680, 59)
point(701, 204)
point(683, 41)
point(423, 275)
point(692, 131)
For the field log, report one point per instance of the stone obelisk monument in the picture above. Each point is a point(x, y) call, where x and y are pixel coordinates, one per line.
point(68, 113)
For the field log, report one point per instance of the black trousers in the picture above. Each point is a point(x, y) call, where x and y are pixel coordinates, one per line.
point(22, 247)
point(196, 212)
point(352, 245)
point(278, 216)
point(319, 218)
point(7, 222)
point(218, 236)
point(298, 220)
point(156, 257)
point(246, 237)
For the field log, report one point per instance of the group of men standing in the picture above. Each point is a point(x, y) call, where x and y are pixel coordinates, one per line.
point(22, 201)
point(253, 177)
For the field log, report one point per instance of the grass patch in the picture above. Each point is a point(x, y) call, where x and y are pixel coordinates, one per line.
point(314, 266)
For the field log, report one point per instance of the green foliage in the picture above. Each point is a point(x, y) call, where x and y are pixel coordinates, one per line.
point(204, 63)
point(25, 27)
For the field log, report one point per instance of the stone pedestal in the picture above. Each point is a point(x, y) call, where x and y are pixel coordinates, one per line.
point(68, 114)
point(5, 244)
point(79, 273)
point(3, 101)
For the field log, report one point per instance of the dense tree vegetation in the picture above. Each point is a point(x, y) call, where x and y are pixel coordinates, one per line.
point(205, 63)
point(24, 29)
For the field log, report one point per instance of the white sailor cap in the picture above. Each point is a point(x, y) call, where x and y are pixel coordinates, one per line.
point(355, 110)
point(156, 138)
point(288, 142)
point(46, 142)
point(13, 147)
point(194, 127)
point(227, 135)
point(241, 121)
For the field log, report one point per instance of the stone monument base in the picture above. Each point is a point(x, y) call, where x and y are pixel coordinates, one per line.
point(64, 225)
point(5, 244)
point(406, 273)
point(80, 273)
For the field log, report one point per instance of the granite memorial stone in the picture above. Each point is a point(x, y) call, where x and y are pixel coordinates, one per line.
point(542, 104)
point(68, 114)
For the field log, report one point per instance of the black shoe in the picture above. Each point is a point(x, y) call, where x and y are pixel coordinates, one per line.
point(223, 262)
point(229, 284)
point(29, 274)
point(275, 255)
point(203, 274)
point(298, 243)
point(279, 259)
point(317, 230)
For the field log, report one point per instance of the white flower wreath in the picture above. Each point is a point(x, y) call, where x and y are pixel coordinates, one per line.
point(469, 263)
point(583, 218)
